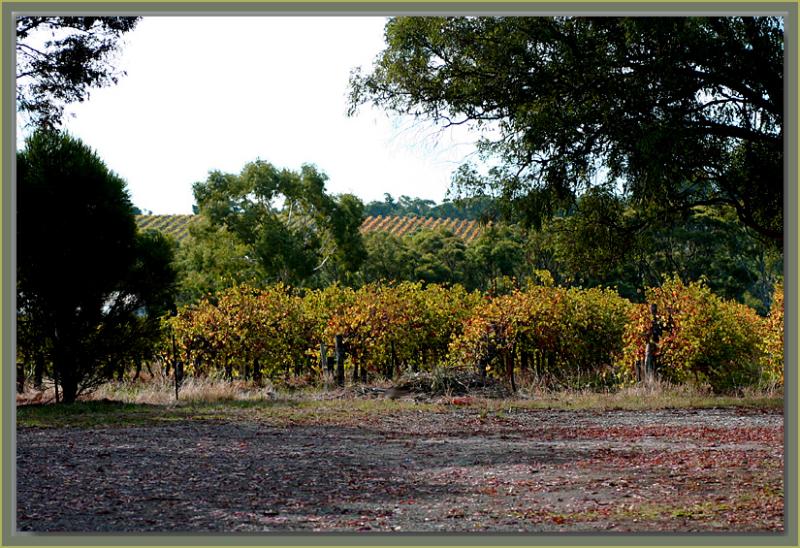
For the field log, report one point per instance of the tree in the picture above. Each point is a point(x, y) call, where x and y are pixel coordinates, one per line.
point(152, 280)
point(605, 241)
point(83, 276)
point(213, 259)
point(438, 256)
point(348, 251)
point(678, 112)
point(387, 207)
point(60, 58)
point(465, 207)
point(497, 254)
point(600, 242)
point(284, 221)
point(388, 258)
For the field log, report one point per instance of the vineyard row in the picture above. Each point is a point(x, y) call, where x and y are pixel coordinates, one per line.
point(554, 333)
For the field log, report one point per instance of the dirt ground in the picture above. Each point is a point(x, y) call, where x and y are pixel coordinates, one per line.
point(461, 470)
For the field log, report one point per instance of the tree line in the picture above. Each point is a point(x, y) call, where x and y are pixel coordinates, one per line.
point(601, 241)
point(266, 227)
point(618, 153)
point(473, 207)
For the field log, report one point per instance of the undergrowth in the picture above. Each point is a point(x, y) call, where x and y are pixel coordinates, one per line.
point(152, 401)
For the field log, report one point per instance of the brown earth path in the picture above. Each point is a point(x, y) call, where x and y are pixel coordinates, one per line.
point(461, 470)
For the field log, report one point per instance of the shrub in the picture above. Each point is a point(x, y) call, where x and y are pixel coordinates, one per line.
point(247, 332)
point(772, 342)
point(416, 323)
point(320, 307)
point(560, 333)
point(706, 340)
point(563, 336)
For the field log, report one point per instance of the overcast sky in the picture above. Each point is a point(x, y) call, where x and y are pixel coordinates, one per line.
point(206, 93)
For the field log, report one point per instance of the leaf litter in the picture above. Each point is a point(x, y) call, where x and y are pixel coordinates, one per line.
point(460, 470)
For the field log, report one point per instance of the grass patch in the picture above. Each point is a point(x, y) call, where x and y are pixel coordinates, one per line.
point(92, 414)
point(642, 397)
point(153, 403)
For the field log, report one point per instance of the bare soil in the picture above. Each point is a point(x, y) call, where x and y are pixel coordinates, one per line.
point(459, 470)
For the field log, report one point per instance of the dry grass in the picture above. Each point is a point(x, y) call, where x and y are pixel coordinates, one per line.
point(153, 403)
point(653, 395)
point(160, 390)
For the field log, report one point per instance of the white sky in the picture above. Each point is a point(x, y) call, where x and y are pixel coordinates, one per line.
point(206, 93)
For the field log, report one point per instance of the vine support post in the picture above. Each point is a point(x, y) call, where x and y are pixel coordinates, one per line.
point(510, 368)
point(392, 360)
point(324, 363)
point(338, 350)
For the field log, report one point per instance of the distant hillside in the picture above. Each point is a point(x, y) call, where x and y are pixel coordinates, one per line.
point(178, 225)
point(402, 225)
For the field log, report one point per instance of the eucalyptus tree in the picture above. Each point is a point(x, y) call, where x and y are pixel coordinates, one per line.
point(59, 59)
point(676, 111)
point(280, 225)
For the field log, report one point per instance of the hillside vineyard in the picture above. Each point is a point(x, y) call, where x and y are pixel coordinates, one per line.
point(177, 226)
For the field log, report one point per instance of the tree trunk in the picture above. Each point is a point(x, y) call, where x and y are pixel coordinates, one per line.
point(256, 372)
point(510, 369)
point(339, 352)
point(69, 389)
point(65, 369)
point(38, 371)
point(20, 377)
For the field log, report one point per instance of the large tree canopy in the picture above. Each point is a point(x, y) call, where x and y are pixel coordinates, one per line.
point(284, 222)
point(60, 58)
point(677, 112)
point(89, 289)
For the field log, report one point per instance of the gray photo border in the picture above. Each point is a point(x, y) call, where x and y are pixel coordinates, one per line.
point(377, 8)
